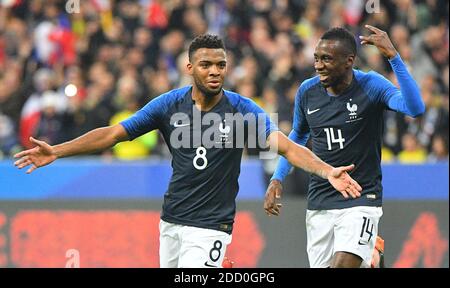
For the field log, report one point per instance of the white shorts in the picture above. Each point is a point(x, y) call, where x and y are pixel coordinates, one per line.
point(191, 247)
point(351, 230)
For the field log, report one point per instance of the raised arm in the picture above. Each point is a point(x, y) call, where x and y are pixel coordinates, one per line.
point(408, 100)
point(96, 140)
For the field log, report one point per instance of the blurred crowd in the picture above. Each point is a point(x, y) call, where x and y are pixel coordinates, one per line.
point(67, 67)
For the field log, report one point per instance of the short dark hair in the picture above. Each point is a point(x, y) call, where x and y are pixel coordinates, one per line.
point(205, 41)
point(342, 35)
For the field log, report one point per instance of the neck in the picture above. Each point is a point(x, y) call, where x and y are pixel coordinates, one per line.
point(341, 85)
point(205, 103)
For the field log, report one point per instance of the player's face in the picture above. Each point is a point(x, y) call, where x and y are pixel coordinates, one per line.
point(331, 62)
point(208, 68)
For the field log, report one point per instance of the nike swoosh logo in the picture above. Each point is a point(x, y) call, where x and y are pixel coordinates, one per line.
point(178, 124)
point(362, 243)
point(209, 265)
point(312, 111)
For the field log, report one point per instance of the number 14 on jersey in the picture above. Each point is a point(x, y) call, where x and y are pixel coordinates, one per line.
point(331, 138)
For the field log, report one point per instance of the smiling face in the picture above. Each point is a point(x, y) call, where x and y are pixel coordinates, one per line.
point(332, 62)
point(208, 68)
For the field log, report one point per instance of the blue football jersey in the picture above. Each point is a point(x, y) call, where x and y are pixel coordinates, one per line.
point(347, 129)
point(206, 150)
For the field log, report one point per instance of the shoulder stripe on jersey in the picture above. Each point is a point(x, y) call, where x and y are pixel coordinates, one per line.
point(372, 83)
point(175, 95)
point(308, 84)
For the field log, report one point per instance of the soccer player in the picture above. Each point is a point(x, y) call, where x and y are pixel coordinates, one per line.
point(199, 206)
point(341, 109)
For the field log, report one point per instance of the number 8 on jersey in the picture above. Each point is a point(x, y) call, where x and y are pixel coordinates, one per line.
point(200, 154)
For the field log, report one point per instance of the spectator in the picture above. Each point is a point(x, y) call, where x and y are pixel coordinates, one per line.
point(439, 149)
point(387, 156)
point(51, 124)
point(8, 137)
point(270, 47)
point(412, 152)
point(141, 147)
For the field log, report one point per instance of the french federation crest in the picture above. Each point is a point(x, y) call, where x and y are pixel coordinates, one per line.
point(352, 108)
point(224, 130)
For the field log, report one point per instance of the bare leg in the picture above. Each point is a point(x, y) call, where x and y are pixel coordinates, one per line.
point(345, 260)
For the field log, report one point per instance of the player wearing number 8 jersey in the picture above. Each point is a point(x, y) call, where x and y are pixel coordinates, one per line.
point(204, 181)
point(199, 205)
point(341, 110)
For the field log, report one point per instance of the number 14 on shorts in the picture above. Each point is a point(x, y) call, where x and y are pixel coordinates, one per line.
point(366, 229)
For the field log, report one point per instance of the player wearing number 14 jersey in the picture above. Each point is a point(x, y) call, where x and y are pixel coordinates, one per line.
point(205, 128)
point(341, 110)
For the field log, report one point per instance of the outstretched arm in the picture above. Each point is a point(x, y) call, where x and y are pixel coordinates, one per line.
point(95, 140)
point(408, 100)
point(303, 158)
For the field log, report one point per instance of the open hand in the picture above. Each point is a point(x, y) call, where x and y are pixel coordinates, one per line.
point(343, 183)
point(38, 156)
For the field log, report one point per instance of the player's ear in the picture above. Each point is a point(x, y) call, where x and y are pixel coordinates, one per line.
point(350, 60)
point(189, 68)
